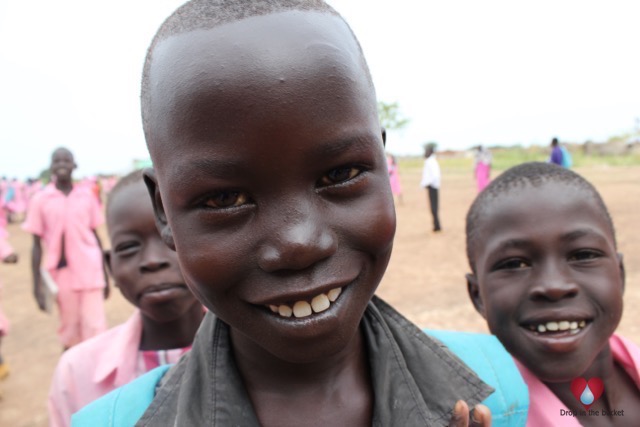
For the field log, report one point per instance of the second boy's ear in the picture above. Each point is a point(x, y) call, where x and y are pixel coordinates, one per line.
point(106, 255)
point(162, 224)
point(474, 294)
point(622, 271)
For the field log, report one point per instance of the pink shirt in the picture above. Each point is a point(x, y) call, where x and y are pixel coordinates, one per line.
point(99, 365)
point(52, 214)
point(544, 406)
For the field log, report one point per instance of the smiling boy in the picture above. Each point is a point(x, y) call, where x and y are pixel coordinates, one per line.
point(548, 279)
point(63, 219)
point(270, 182)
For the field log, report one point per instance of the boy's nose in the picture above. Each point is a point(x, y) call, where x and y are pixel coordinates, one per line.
point(553, 284)
point(297, 241)
point(153, 258)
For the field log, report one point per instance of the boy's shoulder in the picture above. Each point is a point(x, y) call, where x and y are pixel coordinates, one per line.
point(123, 406)
point(98, 357)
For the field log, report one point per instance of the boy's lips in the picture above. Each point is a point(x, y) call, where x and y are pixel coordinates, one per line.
point(162, 291)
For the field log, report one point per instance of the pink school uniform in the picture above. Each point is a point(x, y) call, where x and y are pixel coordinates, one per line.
point(394, 177)
point(545, 408)
point(100, 365)
point(51, 216)
point(5, 251)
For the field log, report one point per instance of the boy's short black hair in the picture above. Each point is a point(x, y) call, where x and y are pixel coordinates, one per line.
point(527, 174)
point(125, 181)
point(208, 14)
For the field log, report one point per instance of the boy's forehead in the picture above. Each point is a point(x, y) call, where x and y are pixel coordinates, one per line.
point(282, 58)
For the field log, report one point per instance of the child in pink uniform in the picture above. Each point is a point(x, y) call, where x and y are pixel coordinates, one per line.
point(158, 333)
point(394, 177)
point(547, 277)
point(64, 218)
point(7, 255)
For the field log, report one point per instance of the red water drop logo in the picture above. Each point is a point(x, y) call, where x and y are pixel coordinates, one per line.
point(587, 392)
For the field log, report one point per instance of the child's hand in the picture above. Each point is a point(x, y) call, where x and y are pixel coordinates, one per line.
point(11, 259)
point(481, 416)
point(38, 294)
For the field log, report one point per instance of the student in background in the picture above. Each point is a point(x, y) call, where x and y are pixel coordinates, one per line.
point(431, 182)
point(8, 256)
point(63, 219)
point(159, 332)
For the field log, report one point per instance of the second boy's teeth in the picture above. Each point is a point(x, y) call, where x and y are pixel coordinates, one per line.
point(563, 325)
point(318, 304)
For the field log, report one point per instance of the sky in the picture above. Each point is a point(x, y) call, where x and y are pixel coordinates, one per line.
point(463, 72)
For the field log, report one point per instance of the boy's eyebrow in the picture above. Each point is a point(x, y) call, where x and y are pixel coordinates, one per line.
point(333, 148)
point(217, 167)
point(514, 243)
point(582, 232)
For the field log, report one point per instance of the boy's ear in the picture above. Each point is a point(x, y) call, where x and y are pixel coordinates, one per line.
point(384, 136)
point(162, 224)
point(106, 254)
point(622, 271)
point(474, 294)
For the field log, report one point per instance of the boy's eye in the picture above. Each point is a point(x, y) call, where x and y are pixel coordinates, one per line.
point(584, 255)
point(126, 248)
point(338, 175)
point(226, 199)
point(511, 264)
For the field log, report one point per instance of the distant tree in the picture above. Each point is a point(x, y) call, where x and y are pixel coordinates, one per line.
point(45, 175)
point(390, 117)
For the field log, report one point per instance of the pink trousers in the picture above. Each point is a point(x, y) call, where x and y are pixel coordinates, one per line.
point(82, 313)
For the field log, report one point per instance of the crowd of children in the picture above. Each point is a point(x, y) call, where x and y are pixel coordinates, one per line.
point(253, 249)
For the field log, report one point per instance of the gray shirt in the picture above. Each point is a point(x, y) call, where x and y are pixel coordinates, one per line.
point(416, 380)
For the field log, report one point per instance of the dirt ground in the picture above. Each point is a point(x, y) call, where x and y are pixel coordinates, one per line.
point(425, 281)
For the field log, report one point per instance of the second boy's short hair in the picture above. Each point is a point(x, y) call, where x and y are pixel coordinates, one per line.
point(208, 14)
point(527, 174)
point(125, 181)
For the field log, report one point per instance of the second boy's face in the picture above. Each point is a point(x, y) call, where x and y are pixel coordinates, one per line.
point(144, 268)
point(272, 178)
point(550, 280)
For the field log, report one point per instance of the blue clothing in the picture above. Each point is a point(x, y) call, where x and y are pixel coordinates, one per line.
point(556, 155)
point(417, 377)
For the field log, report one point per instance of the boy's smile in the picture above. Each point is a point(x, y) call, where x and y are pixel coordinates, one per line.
point(271, 178)
point(548, 278)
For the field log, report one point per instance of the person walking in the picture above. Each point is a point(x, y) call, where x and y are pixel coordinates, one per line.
point(431, 182)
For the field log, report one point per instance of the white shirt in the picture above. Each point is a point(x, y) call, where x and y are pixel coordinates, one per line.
point(430, 172)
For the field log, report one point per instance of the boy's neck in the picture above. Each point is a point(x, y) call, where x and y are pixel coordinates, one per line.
point(64, 185)
point(178, 333)
point(282, 393)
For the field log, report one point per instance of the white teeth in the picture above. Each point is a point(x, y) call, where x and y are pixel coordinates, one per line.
point(552, 326)
point(333, 294)
point(574, 325)
point(564, 325)
point(285, 311)
point(302, 309)
point(320, 303)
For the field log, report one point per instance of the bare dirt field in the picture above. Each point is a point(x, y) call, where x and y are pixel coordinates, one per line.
point(425, 281)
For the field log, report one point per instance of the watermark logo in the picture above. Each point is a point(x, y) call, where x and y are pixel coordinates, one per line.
point(587, 392)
